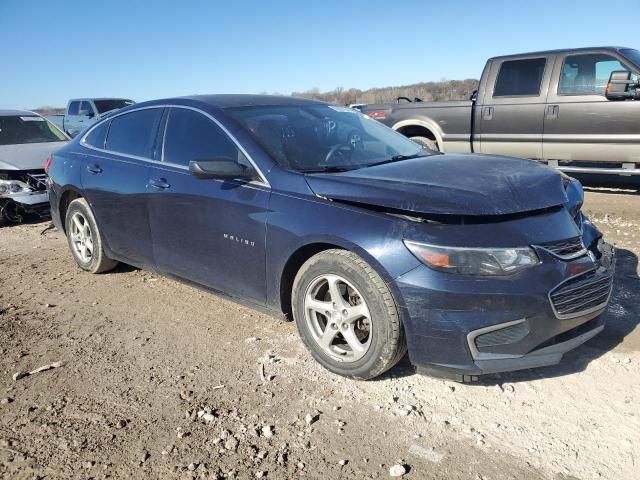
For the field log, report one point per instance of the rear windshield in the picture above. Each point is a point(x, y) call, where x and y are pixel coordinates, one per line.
point(21, 129)
point(112, 104)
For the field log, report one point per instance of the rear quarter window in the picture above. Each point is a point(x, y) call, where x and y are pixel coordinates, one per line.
point(134, 133)
point(98, 135)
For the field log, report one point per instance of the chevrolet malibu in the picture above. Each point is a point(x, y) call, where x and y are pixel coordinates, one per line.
point(373, 244)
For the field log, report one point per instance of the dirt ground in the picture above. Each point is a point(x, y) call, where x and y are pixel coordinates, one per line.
point(162, 380)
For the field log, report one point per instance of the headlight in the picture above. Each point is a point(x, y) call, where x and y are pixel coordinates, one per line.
point(10, 187)
point(474, 261)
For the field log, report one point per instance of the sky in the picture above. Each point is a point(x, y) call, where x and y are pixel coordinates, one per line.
point(148, 49)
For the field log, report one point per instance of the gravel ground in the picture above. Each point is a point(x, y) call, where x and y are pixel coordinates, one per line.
point(161, 380)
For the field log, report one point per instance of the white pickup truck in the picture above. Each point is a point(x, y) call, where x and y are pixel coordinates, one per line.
point(83, 112)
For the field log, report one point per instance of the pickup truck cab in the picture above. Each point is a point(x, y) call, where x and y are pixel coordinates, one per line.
point(577, 110)
point(83, 112)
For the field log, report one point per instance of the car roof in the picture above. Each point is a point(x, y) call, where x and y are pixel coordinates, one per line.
point(13, 113)
point(98, 98)
point(223, 101)
point(562, 50)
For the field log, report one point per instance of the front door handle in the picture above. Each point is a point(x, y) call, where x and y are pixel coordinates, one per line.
point(159, 183)
point(94, 169)
point(487, 113)
point(552, 111)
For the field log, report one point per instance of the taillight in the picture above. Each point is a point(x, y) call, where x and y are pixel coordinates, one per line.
point(377, 115)
point(47, 164)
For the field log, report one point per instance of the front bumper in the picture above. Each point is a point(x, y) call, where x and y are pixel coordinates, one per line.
point(462, 327)
point(32, 202)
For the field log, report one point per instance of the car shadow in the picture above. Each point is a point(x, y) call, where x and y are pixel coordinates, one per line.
point(621, 321)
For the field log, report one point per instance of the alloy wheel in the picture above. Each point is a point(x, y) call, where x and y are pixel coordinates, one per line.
point(338, 318)
point(81, 237)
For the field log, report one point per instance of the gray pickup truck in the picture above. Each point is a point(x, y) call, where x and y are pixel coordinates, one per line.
point(577, 110)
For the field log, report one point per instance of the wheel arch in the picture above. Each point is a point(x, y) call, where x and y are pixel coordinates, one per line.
point(309, 249)
point(425, 128)
point(68, 196)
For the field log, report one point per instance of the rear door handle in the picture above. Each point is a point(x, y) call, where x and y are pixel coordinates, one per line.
point(94, 169)
point(487, 113)
point(159, 183)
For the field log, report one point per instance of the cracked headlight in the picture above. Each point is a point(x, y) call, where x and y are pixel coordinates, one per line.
point(10, 187)
point(474, 261)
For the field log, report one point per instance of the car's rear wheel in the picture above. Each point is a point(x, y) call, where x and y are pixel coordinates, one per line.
point(84, 238)
point(346, 315)
point(426, 142)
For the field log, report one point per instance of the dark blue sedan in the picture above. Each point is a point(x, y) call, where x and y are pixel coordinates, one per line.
point(370, 242)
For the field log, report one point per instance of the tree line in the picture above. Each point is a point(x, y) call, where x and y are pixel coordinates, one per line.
point(426, 91)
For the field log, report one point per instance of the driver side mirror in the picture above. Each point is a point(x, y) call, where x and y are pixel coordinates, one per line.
point(621, 86)
point(221, 169)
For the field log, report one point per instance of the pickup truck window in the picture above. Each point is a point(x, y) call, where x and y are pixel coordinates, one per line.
point(73, 108)
point(520, 78)
point(587, 74)
point(86, 108)
point(112, 104)
point(631, 54)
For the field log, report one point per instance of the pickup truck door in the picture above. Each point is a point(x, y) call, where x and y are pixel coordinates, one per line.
point(71, 117)
point(512, 107)
point(581, 124)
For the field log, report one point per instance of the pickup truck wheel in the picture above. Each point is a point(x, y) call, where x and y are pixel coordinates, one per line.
point(426, 142)
point(84, 238)
point(346, 315)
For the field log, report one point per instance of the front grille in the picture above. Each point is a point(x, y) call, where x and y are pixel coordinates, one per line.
point(581, 295)
point(503, 336)
point(565, 249)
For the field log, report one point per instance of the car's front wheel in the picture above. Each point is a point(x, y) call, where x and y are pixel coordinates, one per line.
point(346, 315)
point(84, 238)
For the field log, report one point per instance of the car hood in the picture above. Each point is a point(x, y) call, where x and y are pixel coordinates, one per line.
point(26, 156)
point(462, 184)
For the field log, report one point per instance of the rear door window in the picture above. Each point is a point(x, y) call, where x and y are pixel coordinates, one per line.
point(519, 78)
point(192, 136)
point(134, 133)
point(73, 108)
point(587, 74)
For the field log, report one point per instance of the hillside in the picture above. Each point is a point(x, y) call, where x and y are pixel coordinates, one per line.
point(427, 91)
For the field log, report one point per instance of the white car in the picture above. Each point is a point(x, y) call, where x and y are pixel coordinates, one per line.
point(26, 141)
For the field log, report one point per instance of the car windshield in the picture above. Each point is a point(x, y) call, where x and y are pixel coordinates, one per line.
point(112, 104)
point(632, 55)
point(20, 129)
point(324, 138)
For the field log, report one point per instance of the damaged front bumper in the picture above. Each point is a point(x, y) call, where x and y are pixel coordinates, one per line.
point(463, 327)
point(34, 199)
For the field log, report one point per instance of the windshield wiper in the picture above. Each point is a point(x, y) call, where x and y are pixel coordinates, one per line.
point(327, 170)
point(396, 158)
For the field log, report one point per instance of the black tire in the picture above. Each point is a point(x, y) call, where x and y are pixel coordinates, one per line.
point(387, 345)
point(98, 262)
point(426, 142)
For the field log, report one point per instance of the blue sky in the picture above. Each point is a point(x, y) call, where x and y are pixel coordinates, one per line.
point(55, 50)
